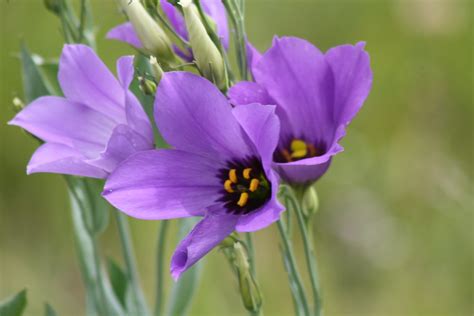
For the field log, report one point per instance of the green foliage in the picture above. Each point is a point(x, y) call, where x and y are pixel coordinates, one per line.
point(14, 305)
point(119, 280)
point(33, 81)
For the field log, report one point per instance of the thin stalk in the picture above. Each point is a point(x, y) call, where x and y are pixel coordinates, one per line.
point(310, 255)
point(293, 273)
point(251, 251)
point(98, 278)
point(237, 17)
point(160, 258)
point(130, 263)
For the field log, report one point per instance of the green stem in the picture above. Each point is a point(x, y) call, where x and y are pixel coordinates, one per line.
point(310, 255)
point(251, 251)
point(160, 258)
point(236, 15)
point(293, 274)
point(130, 264)
point(102, 301)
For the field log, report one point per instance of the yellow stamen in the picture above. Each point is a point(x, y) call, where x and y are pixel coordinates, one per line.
point(246, 173)
point(233, 175)
point(254, 185)
point(299, 149)
point(244, 197)
point(228, 186)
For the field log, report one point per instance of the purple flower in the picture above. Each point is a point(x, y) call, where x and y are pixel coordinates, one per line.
point(316, 94)
point(214, 8)
point(95, 126)
point(219, 167)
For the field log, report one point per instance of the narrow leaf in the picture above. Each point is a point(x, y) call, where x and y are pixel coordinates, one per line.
point(13, 305)
point(118, 279)
point(33, 81)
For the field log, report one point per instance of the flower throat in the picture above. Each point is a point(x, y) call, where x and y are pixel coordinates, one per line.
point(298, 149)
point(245, 186)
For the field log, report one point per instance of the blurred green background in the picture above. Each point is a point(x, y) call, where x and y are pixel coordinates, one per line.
point(395, 229)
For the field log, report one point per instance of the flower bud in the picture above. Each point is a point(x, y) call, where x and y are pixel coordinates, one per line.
point(156, 70)
point(147, 86)
point(310, 201)
point(18, 104)
point(249, 289)
point(53, 6)
point(208, 58)
point(151, 35)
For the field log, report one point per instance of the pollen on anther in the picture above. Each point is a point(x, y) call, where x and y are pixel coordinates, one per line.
point(228, 186)
point(254, 185)
point(244, 197)
point(233, 175)
point(246, 173)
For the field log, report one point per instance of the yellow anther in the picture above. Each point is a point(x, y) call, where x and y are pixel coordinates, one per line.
point(228, 186)
point(244, 197)
point(246, 173)
point(254, 185)
point(299, 149)
point(233, 175)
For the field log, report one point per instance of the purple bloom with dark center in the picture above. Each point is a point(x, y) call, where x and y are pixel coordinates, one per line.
point(219, 167)
point(213, 8)
point(316, 94)
point(95, 126)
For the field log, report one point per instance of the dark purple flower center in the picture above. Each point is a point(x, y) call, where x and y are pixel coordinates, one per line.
point(245, 187)
point(298, 149)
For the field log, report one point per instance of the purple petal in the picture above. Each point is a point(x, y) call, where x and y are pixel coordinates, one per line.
point(246, 92)
point(122, 144)
point(353, 79)
point(125, 71)
point(262, 126)
point(297, 77)
point(175, 18)
point(193, 115)
point(206, 235)
point(266, 215)
point(57, 120)
point(137, 118)
point(125, 33)
point(58, 158)
point(216, 11)
point(253, 56)
point(135, 114)
point(84, 78)
point(163, 184)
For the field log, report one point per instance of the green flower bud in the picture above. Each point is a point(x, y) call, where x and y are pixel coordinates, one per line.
point(147, 86)
point(249, 289)
point(153, 38)
point(18, 104)
point(208, 58)
point(53, 6)
point(156, 70)
point(310, 201)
